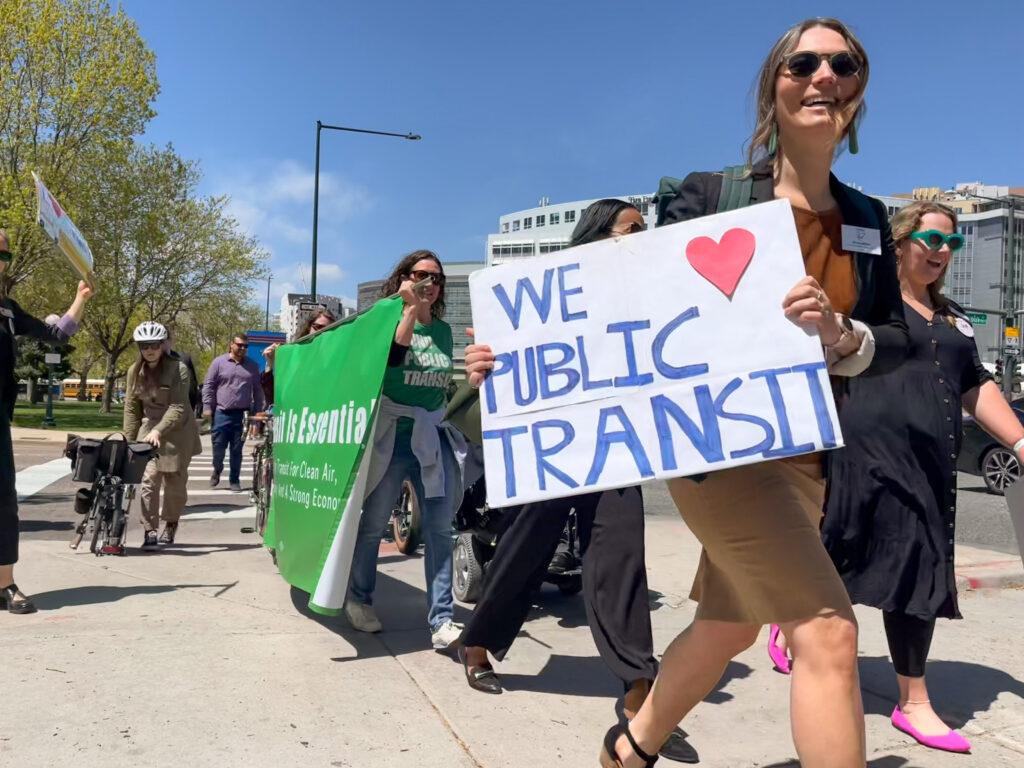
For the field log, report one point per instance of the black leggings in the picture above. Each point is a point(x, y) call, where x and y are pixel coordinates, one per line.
point(909, 640)
point(611, 528)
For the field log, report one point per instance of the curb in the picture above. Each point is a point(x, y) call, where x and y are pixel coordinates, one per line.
point(1001, 574)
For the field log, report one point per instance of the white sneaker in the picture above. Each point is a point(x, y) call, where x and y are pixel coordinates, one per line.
point(446, 635)
point(362, 616)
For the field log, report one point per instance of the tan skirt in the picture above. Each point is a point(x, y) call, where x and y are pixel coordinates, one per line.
point(763, 561)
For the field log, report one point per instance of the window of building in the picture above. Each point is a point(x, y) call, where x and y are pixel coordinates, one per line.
point(527, 222)
point(515, 225)
point(504, 227)
point(540, 220)
point(552, 246)
point(554, 218)
point(570, 217)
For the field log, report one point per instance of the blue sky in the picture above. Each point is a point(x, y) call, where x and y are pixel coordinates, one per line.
point(567, 99)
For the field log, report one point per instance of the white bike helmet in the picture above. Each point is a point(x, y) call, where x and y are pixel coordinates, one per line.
point(149, 331)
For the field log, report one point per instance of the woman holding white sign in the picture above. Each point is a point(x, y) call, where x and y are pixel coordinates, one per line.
point(411, 441)
point(891, 512)
point(14, 322)
point(763, 561)
point(611, 527)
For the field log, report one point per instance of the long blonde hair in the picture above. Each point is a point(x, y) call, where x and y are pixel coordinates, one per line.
point(905, 223)
point(852, 110)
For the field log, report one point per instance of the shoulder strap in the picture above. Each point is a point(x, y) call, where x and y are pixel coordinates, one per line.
point(668, 188)
point(737, 183)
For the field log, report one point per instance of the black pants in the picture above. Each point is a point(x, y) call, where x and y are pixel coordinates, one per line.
point(611, 527)
point(8, 495)
point(909, 640)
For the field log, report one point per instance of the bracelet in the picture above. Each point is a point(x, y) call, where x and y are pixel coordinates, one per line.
point(1018, 445)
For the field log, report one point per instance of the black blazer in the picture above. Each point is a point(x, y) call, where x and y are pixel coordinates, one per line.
point(879, 303)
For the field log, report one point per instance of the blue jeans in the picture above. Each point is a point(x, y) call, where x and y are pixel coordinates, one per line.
point(227, 431)
point(436, 521)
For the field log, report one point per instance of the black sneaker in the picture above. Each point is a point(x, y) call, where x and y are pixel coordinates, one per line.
point(150, 542)
point(170, 530)
point(215, 479)
point(236, 487)
point(562, 562)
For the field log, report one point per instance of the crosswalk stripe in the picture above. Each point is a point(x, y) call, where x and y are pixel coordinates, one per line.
point(32, 480)
point(228, 513)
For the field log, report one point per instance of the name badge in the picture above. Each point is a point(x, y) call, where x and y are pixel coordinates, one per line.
point(965, 328)
point(862, 240)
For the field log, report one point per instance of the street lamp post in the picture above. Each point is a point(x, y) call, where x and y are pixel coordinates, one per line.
point(266, 317)
point(1009, 290)
point(316, 181)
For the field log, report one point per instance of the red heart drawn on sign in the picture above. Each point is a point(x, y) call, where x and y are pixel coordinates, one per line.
point(723, 263)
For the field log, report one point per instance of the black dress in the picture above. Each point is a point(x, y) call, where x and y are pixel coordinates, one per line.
point(890, 509)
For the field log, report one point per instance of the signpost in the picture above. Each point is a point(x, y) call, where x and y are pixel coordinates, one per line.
point(977, 318)
point(51, 359)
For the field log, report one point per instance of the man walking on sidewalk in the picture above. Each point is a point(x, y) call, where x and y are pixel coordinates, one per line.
point(231, 388)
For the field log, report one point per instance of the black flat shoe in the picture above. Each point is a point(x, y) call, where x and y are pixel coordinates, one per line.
point(677, 749)
point(9, 600)
point(482, 678)
point(610, 759)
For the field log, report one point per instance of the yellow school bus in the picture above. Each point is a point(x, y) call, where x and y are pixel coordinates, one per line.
point(93, 388)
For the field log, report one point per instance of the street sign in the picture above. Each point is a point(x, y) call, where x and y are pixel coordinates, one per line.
point(977, 318)
point(52, 358)
point(1012, 340)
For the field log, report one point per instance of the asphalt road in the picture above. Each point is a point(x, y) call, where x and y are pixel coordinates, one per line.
point(982, 520)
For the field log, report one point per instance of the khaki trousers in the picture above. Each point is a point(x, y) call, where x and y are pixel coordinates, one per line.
point(175, 488)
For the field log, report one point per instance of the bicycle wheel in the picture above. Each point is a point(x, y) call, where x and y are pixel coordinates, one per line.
point(257, 480)
point(265, 494)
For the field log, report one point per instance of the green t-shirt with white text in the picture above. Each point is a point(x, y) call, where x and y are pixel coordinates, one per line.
point(423, 377)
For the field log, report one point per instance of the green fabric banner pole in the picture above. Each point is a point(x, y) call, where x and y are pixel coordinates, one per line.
point(326, 391)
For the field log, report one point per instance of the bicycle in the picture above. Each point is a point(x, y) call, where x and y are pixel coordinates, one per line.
point(114, 468)
point(260, 427)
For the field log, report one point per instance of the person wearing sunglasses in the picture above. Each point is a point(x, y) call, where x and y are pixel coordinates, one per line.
point(15, 322)
point(763, 561)
point(891, 514)
point(314, 324)
point(611, 536)
point(231, 387)
point(157, 410)
point(412, 441)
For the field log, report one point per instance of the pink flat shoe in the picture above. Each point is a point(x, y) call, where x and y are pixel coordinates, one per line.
point(949, 742)
point(776, 654)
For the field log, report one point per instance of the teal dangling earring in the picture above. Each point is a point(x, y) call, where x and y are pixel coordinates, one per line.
point(851, 139)
point(773, 141)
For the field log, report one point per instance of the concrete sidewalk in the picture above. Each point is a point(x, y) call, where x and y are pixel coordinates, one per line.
point(201, 655)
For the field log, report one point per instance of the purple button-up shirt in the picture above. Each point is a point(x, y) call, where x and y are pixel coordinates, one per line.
point(230, 385)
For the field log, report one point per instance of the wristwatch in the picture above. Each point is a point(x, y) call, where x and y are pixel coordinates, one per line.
point(847, 325)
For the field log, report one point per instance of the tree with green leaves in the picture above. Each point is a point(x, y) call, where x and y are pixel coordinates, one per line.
point(76, 78)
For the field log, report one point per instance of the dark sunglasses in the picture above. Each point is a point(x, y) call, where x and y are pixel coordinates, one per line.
point(240, 346)
point(421, 274)
point(806, 63)
point(6, 255)
point(143, 345)
point(934, 239)
point(319, 326)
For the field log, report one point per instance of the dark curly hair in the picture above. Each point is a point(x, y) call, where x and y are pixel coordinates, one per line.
point(401, 272)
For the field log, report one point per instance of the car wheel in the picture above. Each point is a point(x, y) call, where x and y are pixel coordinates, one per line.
point(1000, 469)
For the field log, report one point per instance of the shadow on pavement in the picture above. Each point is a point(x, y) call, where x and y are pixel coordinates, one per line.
point(195, 550)
point(959, 690)
point(37, 499)
point(886, 761)
point(568, 676)
point(91, 595)
point(35, 526)
point(735, 671)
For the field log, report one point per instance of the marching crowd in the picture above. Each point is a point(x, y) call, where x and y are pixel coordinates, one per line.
point(792, 543)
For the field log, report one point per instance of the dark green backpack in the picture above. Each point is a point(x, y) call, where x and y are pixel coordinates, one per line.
point(737, 185)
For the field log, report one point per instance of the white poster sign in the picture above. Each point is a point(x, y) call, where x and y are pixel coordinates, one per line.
point(660, 354)
point(59, 228)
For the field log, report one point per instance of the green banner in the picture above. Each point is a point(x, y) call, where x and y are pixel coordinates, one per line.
point(977, 318)
point(326, 389)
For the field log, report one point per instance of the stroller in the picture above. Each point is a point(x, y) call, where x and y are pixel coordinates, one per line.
point(479, 527)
